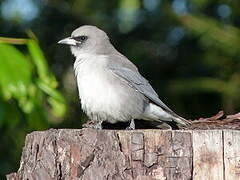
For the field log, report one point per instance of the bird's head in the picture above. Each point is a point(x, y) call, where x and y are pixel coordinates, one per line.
point(88, 40)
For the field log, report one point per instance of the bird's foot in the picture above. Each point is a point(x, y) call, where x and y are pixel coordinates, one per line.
point(98, 125)
point(93, 124)
point(131, 126)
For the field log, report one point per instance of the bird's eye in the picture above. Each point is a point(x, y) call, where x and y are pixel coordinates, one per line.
point(80, 38)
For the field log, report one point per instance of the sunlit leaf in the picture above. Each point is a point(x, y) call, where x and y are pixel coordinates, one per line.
point(15, 72)
point(55, 99)
point(50, 91)
point(41, 63)
point(58, 108)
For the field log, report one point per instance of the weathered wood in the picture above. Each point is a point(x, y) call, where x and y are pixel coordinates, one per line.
point(182, 155)
point(158, 154)
point(208, 155)
point(232, 155)
point(89, 154)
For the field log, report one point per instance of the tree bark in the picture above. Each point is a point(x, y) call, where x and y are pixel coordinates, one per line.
point(89, 154)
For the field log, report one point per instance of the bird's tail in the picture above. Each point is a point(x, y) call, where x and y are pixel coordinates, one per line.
point(182, 121)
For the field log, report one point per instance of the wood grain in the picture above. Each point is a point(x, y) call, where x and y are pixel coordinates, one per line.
point(232, 154)
point(208, 155)
point(88, 154)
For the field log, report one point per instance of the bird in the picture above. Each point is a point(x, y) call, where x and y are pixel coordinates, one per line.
point(110, 87)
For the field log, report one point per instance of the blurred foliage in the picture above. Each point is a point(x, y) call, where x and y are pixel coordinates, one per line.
point(27, 93)
point(224, 42)
point(189, 51)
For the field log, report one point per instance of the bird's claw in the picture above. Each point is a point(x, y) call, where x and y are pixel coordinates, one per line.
point(131, 126)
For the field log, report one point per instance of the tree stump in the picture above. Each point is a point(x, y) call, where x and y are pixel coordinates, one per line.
point(89, 154)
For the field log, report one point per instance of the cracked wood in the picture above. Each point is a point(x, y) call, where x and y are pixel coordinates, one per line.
point(89, 154)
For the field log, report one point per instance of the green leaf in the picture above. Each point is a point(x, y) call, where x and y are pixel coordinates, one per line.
point(46, 81)
point(50, 91)
point(15, 72)
point(41, 63)
point(55, 99)
point(58, 108)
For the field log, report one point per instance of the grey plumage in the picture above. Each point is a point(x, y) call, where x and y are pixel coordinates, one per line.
point(110, 86)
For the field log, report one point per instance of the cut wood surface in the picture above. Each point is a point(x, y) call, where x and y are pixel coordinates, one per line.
point(89, 154)
point(232, 154)
point(208, 155)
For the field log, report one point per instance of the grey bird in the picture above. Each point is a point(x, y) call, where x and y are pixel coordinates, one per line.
point(110, 86)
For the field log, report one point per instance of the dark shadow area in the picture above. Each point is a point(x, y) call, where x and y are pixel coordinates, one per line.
point(139, 124)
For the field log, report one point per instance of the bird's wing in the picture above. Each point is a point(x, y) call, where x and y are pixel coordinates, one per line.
point(136, 81)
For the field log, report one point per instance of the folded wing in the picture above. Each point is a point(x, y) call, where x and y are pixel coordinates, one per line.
point(139, 83)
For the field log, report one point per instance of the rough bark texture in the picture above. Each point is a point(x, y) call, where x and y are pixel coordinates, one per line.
point(89, 154)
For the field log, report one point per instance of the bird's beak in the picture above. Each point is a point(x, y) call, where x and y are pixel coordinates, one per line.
point(68, 41)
